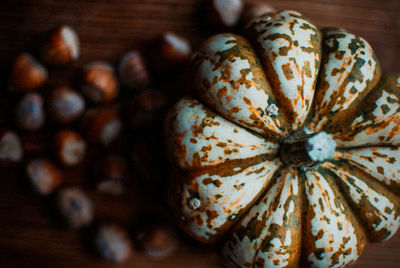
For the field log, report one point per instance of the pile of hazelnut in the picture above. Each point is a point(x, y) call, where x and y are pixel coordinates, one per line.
point(104, 105)
point(91, 115)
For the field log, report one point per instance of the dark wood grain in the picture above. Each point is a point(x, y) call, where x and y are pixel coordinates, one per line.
point(29, 233)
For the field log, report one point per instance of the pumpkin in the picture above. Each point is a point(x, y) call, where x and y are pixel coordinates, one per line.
point(289, 151)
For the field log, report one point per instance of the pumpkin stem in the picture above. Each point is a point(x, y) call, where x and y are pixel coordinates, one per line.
point(306, 150)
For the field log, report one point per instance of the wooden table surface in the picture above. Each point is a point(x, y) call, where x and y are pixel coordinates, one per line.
point(29, 234)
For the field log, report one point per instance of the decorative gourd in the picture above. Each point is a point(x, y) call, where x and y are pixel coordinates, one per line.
point(292, 155)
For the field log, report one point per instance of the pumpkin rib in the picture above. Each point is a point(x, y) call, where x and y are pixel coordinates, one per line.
point(349, 71)
point(271, 237)
point(377, 121)
point(275, 138)
point(229, 79)
point(222, 196)
point(269, 35)
point(378, 162)
point(371, 196)
point(343, 225)
point(292, 258)
point(200, 139)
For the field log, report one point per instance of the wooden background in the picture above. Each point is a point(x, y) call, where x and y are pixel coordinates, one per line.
point(29, 234)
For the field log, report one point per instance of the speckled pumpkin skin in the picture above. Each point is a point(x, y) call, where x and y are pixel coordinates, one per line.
point(230, 183)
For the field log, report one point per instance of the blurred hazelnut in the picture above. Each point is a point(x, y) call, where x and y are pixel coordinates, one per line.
point(70, 148)
point(65, 105)
point(29, 112)
point(101, 125)
point(10, 147)
point(133, 70)
point(157, 241)
point(44, 176)
point(113, 174)
point(113, 243)
point(146, 108)
point(146, 153)
point(61, 46)
point(99, 82)
point(224, 13)
point(75, 207)
point(172, 51)
point(253, 10)
point(27, 74)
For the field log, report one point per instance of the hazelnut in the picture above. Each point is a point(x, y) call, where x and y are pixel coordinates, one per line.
point(113, 243)
point(133, 70)
point(44, 176)
point(99, 82)
point(61, 46)
point(146, 153)
point(10, 147)
point(102, 125)
point(224, 13)
point(27, 74)
point(113, 174)
point(157, 241)
point(146, 108)
point(65, 105)
point(172, 51)
point(29, 112)
point(253, 10)
point(75, 207)
point(70, 147)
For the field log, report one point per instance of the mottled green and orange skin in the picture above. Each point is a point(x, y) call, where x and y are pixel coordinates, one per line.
point(230, 183)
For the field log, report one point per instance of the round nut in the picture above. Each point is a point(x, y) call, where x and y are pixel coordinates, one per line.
point(29, 113)
point(158, 241)
point(172, 51)
point(70, 147)
point(99, 82)
point(65, 105)
point(75, 207)
point(61, 46)
point(113, 174)
point(101, 125)
point(44, 176)
point(27, 74)
point(146, 108)
point(10, 147)
point(133, 70)
point(255, 9)
point(113, 243)
point(224, 13)
point(146, 153)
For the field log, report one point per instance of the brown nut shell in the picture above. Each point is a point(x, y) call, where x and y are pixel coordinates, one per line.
point(27, 74)
point(113, 243)
point(99, 82)
point(145, 109)
point(253, 10)
point(65, 105)
point(70, 148)
point(157, 241)
point(61, 46)
point(75, 207)
point(133, 70)
point(10, 147)
point(29, 114)
point(102, 125)
point(44, 176)
point(224, 13)
point(171, 51)
point(113, 174)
